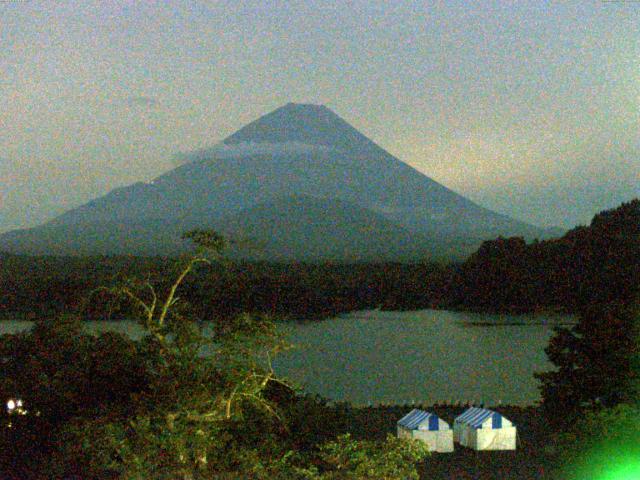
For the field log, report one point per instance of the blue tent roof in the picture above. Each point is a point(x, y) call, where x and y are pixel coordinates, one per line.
point(415, 418)
point(476, 416)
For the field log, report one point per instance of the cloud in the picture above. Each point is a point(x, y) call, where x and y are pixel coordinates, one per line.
point(142, 101)
point(245, 149)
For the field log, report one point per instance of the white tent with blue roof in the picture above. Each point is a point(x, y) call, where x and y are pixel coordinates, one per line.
point(427, 427)
point(483, 429)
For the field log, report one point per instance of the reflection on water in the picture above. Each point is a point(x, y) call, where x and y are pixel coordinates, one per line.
point(429, 355)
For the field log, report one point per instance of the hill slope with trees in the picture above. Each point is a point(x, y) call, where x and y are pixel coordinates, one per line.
point(598, 263)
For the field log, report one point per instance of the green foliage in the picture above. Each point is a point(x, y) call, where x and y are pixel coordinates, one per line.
point(588, 265)
point(61, 375)
point(349, 459)
point(36, 287)
point(201, 385)
point(206, 239)
point(597, 361)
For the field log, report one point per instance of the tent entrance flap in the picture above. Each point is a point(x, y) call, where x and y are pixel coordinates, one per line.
point(433, 423)
point(496, 421)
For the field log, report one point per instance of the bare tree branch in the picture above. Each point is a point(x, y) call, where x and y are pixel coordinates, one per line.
point(170, 297)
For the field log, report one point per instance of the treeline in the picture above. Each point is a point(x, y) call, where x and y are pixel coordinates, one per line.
point(597, 264)
point(39, 287)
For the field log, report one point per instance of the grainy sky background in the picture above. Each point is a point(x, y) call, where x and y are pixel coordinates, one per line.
point(529, 108)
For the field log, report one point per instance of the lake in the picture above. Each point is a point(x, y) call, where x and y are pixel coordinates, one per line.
point(424, 356)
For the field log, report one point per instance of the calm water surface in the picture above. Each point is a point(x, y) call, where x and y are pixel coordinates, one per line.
point(428, 355)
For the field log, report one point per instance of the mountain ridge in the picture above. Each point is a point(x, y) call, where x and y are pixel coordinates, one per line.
point(306, 150)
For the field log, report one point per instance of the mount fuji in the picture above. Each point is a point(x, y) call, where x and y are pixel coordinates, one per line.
point(299, 183)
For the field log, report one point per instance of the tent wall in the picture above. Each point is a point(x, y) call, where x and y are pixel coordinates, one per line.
point(486, 438)
point(483, 429)
point(437, 441)
point(496, 439)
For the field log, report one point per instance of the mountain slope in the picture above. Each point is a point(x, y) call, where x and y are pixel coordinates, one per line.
point(303, 151)
point(295, 228)
point(311, 229)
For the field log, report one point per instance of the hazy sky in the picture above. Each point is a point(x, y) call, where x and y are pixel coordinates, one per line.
point(530, 108)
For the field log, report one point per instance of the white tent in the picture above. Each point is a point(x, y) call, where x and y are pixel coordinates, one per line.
point(483, 429)
point(429, 428)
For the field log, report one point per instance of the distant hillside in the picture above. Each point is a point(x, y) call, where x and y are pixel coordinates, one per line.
point(297, 228)
point(593, 264)
point(373, 203)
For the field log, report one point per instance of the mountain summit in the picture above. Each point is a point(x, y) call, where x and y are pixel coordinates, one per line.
point(300, 181)
point(305, 124)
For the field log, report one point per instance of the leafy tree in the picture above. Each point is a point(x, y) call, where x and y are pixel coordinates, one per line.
point(597, 360)
point(348, 459)
point(60, 373)
point(589, 265)
point(202, 386)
